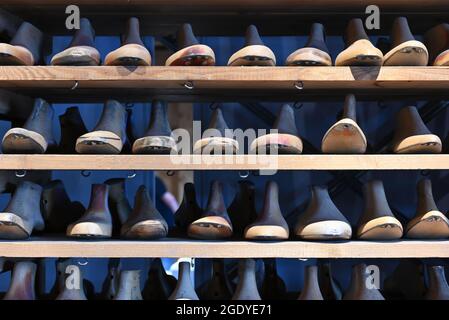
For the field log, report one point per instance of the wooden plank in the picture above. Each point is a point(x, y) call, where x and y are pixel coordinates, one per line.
point(225, 78)
point(212, 18)
point(218, 162)
point(176, 248)
point(253, 5)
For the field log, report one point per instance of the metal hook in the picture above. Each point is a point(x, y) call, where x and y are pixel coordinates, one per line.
point(75, 85)
point(243, 174)
point(299, 85)
point(213, 106)
point(83, 263)
point(189, 85)
point(85, 173)
point(132, 175)
point(20, 173)
point(129, 106)
point(170, 173)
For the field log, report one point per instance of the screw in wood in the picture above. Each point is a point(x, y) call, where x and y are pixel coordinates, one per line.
point(85, 173)
point(244, 174)
point(20, 173)
point(299, 85)
point(189, 85)
point(75, 85)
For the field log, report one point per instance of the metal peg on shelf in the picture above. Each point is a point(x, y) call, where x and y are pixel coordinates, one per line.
point(20, 173)
point(132, 175)
point(75, 85)
point(85, 173)
point(299, 85)
point(170, 173)
point(244, 174)
point(189, 85)
point(83, 263)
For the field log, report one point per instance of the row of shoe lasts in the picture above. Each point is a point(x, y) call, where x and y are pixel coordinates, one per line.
point(321, 220)
point(343, 137)
point(110, 214)
point(318, 283)
point(33, 207)
point(25, 48)
point(110, 135)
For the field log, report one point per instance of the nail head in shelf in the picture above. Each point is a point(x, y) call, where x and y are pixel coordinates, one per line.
point(189, 85)
point(299, 85)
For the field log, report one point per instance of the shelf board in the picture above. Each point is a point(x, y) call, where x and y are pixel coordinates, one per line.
point(225, 81)
point(175, 248)
point(235, 5)
point(218, 162)
point(226, 17)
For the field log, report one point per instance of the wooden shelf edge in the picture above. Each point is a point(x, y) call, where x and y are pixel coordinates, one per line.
point(226, 78)
point(175, 248)
point(218, 162)
point(251, 5)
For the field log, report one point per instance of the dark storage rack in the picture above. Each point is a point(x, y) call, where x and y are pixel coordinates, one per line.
point(219, 17)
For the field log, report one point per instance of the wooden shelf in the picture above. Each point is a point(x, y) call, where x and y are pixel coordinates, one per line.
point(223, 81)
point(230, 17)
point(175, 248)
point(220, 17)
point(240, 162)
point(235, 5)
